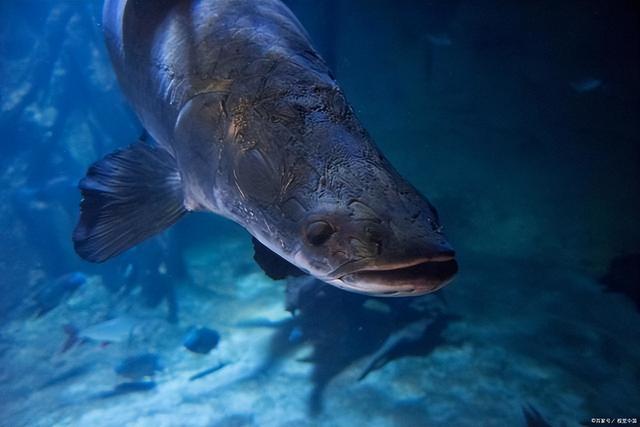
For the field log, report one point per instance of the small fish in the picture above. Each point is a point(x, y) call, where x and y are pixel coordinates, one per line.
point(588, 84)
point(201, 340)
point(248, 122)
point(206, 372)
point(140, 366)
point(413, 332)
point(298, 290)
point(52, 294)
point(296, 335)
point(114, 330)
point(127, 388)
point(118, 329)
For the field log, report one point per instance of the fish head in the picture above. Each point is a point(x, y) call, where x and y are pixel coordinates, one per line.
point(364, 228)
point(328, 202)
point(377, 245)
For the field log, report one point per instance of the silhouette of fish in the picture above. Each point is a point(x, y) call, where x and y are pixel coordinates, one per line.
point(139, 366)
point(411, 333)
point(201, 340)
point(208, 371)
point(118, 329)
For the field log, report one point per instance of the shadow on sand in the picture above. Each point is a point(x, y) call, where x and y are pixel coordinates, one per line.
point(344, 327)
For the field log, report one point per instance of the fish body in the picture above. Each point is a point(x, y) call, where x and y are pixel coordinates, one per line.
point(250, 124)
point(411, 333)
point(201, 340)
point(296, 335)
point(118, 329)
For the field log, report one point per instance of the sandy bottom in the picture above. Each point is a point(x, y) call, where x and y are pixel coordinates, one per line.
point(527, 334)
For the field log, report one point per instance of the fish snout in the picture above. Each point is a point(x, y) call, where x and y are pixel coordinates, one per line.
point(376, 255)
point(401, 268)
point(430, 248)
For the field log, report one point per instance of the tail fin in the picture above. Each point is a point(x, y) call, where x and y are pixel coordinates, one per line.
point(128, 196)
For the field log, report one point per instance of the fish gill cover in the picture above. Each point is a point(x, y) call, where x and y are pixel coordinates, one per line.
point(518, 121)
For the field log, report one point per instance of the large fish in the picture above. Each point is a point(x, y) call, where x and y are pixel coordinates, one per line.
point(250, 124)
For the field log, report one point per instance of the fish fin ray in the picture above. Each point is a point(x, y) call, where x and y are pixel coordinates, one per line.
point(127, 197)
point(273, 264)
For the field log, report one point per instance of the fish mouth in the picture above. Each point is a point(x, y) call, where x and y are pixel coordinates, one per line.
point(409, 279)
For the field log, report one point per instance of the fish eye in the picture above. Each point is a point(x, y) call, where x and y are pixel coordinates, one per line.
point(318, 232)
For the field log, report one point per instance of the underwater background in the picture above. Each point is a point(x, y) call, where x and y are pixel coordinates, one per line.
point(520, 121)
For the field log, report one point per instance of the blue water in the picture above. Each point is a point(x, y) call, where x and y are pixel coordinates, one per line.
point(519, 121)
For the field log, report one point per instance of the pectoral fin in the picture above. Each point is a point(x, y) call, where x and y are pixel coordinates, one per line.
point(127, 197)
point(273, 264)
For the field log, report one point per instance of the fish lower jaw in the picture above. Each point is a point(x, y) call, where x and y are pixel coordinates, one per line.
point(414, 280)
point(373, 289)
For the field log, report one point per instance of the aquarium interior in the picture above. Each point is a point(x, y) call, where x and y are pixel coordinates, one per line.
point(518, 120)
